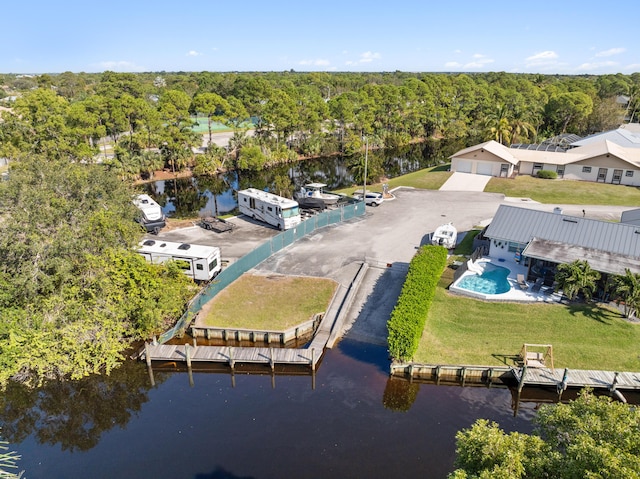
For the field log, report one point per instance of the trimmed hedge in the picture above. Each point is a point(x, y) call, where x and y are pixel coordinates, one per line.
point(547, 174)
point(410, 313)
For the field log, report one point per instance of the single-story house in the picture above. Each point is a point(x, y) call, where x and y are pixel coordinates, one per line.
point(541, 240)
point(603, 161)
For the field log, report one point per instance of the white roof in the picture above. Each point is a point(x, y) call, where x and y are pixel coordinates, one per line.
point(625, 137)
point(185, 250)
point(501, 151)
point(574, 155)
point(269, 197)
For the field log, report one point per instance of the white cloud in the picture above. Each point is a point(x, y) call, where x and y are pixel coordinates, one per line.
point(633, 66)
point(318, 63)
point(193, 53)
point(479, 61)
point(368, 57)
point(123, 66)
point(543, 56)
point(595, 66)
point(542, 61)
point(457, 51)
point(610, 52)
point(452, 65)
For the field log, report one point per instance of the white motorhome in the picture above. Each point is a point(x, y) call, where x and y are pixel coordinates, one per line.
point(200, 262)
point(151, 217)
point(283, 213)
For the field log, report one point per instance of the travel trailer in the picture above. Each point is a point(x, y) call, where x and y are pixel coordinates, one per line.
point(200, 262)
point(283, 213)
point(151, 217)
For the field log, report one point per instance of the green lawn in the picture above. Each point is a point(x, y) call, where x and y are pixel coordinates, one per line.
point(545, 191)
point(427, 179)
point(465, 331)
point(271, 302)
point(565, 191)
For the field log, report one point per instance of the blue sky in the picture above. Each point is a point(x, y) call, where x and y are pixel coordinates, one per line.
point(568, 37)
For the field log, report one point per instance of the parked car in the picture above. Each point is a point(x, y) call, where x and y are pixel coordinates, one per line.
point(371, 198)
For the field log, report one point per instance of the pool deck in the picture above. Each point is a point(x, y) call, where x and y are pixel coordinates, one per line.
point(516, 293)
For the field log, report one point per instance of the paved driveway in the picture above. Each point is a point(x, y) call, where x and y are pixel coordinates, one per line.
point(465, 182)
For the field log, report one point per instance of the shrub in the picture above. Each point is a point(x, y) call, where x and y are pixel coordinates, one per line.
point(410, 313)
point(547, 174)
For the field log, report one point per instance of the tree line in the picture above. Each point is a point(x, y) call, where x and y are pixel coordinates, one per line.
point(148, 118)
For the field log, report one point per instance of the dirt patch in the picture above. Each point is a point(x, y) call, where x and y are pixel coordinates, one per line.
point(175, 224)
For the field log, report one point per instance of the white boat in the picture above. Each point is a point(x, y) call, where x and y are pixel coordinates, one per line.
point(316, 190)
point(445, 235)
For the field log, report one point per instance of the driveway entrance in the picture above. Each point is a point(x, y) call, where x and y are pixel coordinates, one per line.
point(465, 182)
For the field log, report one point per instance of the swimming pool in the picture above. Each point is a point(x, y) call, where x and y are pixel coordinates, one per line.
point(493, 280)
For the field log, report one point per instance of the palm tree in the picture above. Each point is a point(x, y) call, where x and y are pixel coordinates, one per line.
point(498, 125)
point(577, 277)
point(627, 288)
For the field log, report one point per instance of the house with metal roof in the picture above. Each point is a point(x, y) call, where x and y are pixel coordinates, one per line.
point(542, 240)
point(625, 137)
point(601, 161)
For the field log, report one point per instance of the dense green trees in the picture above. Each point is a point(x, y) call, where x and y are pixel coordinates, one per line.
point(312, 113)
point(589, 437)
point(73, 292)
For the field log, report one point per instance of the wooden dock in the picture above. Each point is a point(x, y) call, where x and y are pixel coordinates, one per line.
point(558, 379)
point(565, 378)
point(231, 355)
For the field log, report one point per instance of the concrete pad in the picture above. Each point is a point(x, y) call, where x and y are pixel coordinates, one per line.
point(465, 182)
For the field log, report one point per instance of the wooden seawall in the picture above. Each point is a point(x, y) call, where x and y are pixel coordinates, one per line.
point(559, 379)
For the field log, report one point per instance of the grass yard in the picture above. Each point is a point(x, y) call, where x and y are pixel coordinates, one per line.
point(469, 332)
point(565, 191)
point(272, 302)
point(427, 179)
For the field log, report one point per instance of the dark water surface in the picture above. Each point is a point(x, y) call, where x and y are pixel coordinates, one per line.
point(189, 197)
point(356, 423)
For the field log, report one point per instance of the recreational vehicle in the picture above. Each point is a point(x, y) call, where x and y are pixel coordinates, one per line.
point(280, 212)
point(200, 262)
point(151, 216)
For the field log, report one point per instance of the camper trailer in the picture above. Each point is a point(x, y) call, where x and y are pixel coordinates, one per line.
point(277, 211)
point(201, 263)
point(151, 215)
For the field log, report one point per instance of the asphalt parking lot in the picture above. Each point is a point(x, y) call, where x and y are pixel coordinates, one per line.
point(386, 237)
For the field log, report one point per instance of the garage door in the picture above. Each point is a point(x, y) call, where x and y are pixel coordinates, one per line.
point(484, 168)
point(463, 166)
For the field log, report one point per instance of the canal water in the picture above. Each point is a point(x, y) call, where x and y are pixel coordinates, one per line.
point(198, 196)
point(357, 422)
